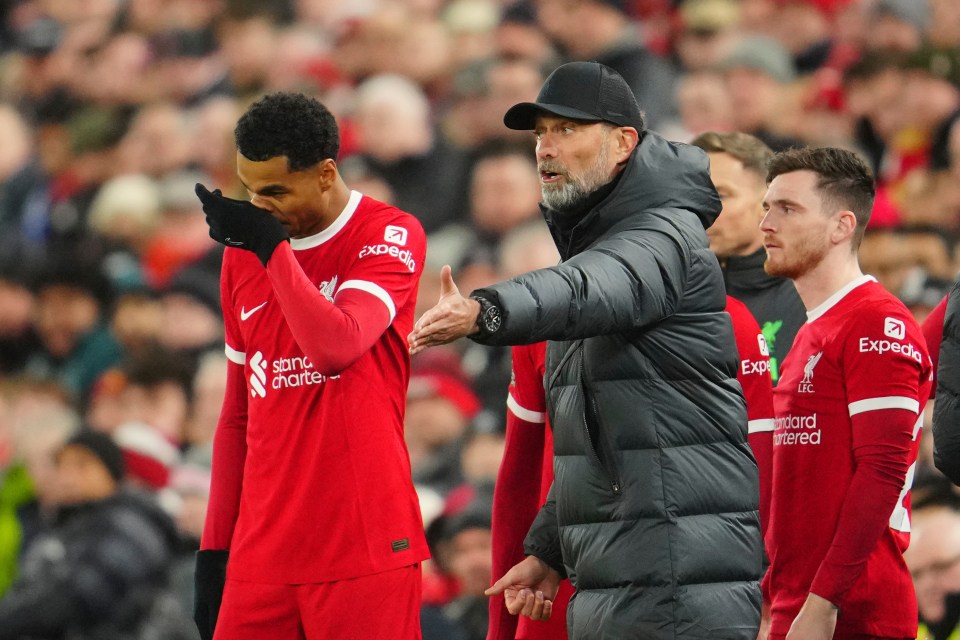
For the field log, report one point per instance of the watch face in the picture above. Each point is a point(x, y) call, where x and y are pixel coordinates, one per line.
point(491, 319)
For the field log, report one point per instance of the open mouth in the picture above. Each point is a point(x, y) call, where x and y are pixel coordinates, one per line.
point(549, 176)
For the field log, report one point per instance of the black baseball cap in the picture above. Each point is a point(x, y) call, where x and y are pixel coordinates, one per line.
point(587, 91)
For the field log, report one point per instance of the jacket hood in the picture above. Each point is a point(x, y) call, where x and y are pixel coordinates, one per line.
point(659, 175)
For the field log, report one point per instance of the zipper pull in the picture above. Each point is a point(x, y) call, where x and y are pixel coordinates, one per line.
point(616, 487)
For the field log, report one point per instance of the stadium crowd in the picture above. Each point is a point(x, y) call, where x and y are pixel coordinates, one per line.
point(110, 317)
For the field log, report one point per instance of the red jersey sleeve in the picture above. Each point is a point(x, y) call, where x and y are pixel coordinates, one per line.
point(230, 439)
point(335, 333)
point(754, 376)
point(933, 333)
point(516, 496)
point(885, 414)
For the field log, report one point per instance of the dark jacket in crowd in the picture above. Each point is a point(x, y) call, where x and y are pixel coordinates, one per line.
point(99, 573)
point(946, 410)
point(773, 301)
point(653, 510)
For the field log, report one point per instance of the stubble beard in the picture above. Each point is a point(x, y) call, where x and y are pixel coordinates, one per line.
point(807, 255)
point(574, 190)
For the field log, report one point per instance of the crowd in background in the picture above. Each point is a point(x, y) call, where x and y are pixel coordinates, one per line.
point(111, 111)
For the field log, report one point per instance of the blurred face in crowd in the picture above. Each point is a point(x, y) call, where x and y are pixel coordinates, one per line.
point(737, 231)
point(64, 315)
point(795, 230)
point(504, 192)
point(934, 559)
point(576, 158)
point(82, 477)
point(290, 196)
point(470, 563)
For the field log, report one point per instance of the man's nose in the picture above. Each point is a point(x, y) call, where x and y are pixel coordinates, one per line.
point(546, 148)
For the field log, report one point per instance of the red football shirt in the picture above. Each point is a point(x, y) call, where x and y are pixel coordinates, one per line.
point(754, 376)
point(846, 436)
point(326, 486)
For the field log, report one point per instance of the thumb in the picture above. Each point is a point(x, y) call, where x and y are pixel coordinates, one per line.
point(498, 587)
point(447, 285)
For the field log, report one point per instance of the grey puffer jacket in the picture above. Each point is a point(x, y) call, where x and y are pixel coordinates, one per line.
point(653, 511)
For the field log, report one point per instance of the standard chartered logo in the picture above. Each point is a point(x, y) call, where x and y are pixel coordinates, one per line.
point(285, 373)
point(794, 430)
point(258, 377)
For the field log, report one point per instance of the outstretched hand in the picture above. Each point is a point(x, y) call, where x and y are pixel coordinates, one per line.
point(528, 589)
point(454, 316)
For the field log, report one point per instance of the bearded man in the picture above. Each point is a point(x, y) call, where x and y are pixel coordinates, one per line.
point(653, 510)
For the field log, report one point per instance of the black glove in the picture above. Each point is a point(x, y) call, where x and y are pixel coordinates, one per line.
point(238, 223)
point(208, 580)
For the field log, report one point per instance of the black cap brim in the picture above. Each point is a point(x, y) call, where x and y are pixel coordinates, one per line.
point(523, 116)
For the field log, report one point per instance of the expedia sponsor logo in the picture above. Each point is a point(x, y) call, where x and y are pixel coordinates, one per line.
point(754, 367)
point(282, 373)
point(403, 255)
point(869, 345)
point(795, 430)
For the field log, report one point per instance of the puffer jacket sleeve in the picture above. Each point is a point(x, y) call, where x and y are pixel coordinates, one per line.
point(543, 539)
point(632, 278)
point(946, 412)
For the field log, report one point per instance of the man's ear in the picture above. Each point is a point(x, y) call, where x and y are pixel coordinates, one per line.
point(846, 224)
point(326, 173)
point(627, 140)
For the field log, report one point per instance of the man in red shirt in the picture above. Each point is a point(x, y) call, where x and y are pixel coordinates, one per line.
point(311, 495)
point(848, 414)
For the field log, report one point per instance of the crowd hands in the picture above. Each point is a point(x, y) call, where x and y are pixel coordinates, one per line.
point(110, 319)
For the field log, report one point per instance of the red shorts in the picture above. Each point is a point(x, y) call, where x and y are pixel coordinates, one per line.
point(382, 605)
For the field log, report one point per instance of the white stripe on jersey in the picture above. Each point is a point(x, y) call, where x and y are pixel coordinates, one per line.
point(759, 426)
point(233, 355)
point(886, 402)
point(375, 289)
point(524, 413)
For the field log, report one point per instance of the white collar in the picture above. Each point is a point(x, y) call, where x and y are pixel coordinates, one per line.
point(317, 239)
point(830, 302)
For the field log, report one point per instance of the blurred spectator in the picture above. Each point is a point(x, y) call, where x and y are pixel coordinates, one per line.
point(440, 406)
point(890, 255)
point(209, 386)
point(182, 236)
point(704, 104)
point(603, 31)
point(398, 142)
point(519, 36)
point(759, 72)
point(97, 571)
point(190, 308)
point(899, 25)
point(934, 562)
point(76, 344)
point(18, 339)
point(466, 549)
point(708, 33)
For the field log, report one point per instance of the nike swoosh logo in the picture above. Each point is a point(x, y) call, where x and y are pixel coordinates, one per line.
point(244, 314)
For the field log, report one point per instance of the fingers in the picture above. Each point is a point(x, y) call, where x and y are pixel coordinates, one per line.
point(202, 192)
point(447, 285)
point(531, 604)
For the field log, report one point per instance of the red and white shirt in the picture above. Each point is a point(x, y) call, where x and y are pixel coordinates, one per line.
point(753, 374)
point(311, 478)
point(848, 414)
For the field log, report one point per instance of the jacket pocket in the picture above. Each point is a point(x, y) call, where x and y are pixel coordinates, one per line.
point(598, 446)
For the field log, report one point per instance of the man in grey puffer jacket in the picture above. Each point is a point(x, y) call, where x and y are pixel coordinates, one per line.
point(653, 510)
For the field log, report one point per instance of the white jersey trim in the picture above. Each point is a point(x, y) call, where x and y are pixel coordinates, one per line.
point(317, 239)
point(830, 302)
point(886, 402)
point(374, 289)
point(759, 426)
point(239, 357)
point(523, 413)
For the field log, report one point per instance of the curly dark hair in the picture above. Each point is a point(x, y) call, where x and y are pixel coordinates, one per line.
point(291, 125)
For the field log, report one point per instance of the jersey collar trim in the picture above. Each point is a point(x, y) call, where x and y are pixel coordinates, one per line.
point(831, 302)
point(317, 239)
